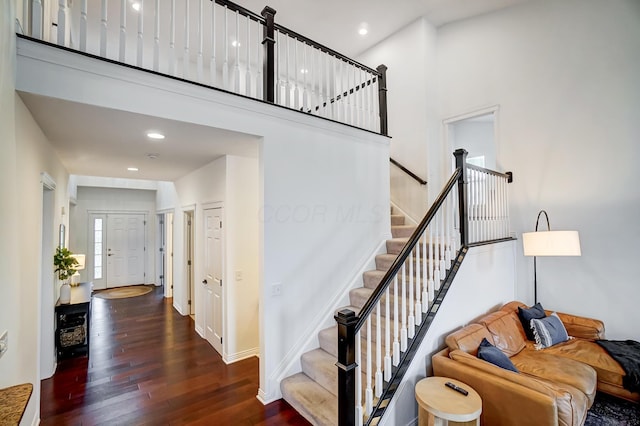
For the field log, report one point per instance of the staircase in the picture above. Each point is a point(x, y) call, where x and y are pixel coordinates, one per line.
point(314, 391)
point(351, 378)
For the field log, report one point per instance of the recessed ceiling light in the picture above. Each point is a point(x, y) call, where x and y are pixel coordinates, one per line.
point(363, 29)
point(236, 43)
point(155, 135)
point(136, 6)
point(304, 71)
point(132, 169)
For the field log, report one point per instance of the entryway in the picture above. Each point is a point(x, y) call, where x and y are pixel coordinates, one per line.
point(117, 243)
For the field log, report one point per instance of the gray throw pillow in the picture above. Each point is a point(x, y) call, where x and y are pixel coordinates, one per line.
point(549, 331)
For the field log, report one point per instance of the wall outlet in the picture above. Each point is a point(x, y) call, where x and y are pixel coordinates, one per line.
point(238, 275)
point(276, 289)
point(4, 343)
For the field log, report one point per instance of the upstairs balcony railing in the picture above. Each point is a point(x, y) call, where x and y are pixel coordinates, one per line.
point(217, 44)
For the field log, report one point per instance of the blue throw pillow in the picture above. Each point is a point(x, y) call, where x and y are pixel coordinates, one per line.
point(489, 353)
point(526, 315)
point(549, 331)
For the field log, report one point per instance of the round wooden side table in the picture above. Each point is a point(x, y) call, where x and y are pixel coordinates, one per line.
point(441, 405)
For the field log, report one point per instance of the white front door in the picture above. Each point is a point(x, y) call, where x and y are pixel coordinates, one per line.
point(213, 277)
point(125, 249)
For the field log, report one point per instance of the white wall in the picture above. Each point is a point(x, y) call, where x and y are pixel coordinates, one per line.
point(410, 56)
point(242, 215)
point(102, 200)
point(565, 74)
point(483, 284)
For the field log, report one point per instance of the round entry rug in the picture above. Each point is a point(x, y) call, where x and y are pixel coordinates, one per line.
point(124, 292)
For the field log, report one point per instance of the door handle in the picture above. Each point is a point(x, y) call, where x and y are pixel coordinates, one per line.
point(204, 282)
point(109, 254)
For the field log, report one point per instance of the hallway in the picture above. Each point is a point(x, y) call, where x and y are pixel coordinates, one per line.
point(148, 366)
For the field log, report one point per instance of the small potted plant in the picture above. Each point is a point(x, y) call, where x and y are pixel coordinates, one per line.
point(65, 264)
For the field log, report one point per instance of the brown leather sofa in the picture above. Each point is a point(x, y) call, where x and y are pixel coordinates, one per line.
point(554, 386)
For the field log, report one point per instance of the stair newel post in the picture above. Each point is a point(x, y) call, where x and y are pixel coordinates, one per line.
point(269, 64)
point(382, 99)
point(463, 187)
point(346, 364)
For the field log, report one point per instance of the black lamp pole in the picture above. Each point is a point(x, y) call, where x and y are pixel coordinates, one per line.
point(535, 278)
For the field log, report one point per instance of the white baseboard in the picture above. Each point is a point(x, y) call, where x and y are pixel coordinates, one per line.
point(200, 331)
point(36, 419)
point(178, 308)
point(264, 399)
point(239, 356)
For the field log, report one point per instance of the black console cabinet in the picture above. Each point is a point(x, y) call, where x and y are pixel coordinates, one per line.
point(73, 322)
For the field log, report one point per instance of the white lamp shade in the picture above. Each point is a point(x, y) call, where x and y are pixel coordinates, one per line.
point(551, 243)
point(80, 259)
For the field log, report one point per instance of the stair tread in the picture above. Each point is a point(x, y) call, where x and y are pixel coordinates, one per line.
point(320, 366)
point(315, 403)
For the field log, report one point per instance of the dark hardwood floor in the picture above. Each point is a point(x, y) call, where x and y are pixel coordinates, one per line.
point(149, 367)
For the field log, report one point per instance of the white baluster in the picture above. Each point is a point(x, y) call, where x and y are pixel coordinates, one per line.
point(156, 37)
point(103, 29)
point(296, 70)
point(236, 68)
point(428, 279)
point(62, 22)
point(213, 67)
point(123, 30)
point(200, 57)
point(443, 264)
point(225, 41)
point(83, 26)
point(36, 22)
point(396, 331)
point(432, 261)
point(172, 39)
point(446, 217)
point(411, 320)
point(378, 392)
point(288, 77)
point(305, 71)
point(186, 60)
point(387, 338)
point(415, 314)
point(140, 34)
point(248, 80)
point(259, 81)
point(403, 295)
point(368, 396)
point(418, 261)
point(359, 411)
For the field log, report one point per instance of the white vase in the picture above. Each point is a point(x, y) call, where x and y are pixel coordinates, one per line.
point(65, 293)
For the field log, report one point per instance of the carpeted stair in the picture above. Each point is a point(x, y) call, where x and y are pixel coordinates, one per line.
point(313, 392)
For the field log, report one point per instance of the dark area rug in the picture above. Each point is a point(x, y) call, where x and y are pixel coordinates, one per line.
point(611, 411)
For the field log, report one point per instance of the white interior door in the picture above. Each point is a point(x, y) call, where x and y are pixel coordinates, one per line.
point(125, 249)
point(213, 277)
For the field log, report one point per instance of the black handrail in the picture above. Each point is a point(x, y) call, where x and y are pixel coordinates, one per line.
point(349, 323)
point(407, 171)
point(369, 306)
point(325, 49)
point(506, 175)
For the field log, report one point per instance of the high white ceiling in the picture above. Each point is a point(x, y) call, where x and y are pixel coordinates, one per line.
point(101, 142)
point(335, 23)
point(96, 141)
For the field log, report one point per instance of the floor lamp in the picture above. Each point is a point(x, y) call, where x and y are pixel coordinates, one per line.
point(549, 243)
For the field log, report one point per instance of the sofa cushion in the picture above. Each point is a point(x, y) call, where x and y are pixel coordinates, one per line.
point(558, 369)
point(527, 314)
point(506, 330)
point(488, 352)
point(549, 331)
point(590, 353)
point(468, 339)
